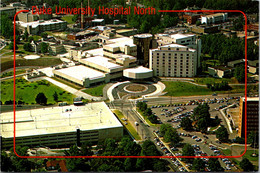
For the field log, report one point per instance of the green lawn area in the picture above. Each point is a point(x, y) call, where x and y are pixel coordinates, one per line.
point(36, 37)
point(27, 91)
point(184, 89)
point(129, 127)
point(227, 152)
point(211, 80)
point(249, 153)
point(11, 73)
point(95, 91)
point(68, 19)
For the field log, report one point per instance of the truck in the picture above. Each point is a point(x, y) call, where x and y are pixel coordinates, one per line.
point(136, 123)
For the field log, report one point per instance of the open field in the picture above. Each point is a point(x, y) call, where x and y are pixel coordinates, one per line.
point(188, 89)
point(129, 127)
point(11, 73)
point(7, 62)
point(95, 91)
point(185, 89)
point(68, 19)
point(249, 153)
point(211, 80)
point(27, 91)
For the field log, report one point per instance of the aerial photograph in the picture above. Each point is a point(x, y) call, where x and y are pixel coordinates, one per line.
point(129, 85)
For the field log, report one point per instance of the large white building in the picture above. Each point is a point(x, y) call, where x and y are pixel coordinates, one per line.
point(173, 60)
point(39, 26)
point(214, 18)
point(60, 126)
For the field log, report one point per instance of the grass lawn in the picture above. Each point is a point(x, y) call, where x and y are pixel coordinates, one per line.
point(36, 37)
point(95, 91)
point(129, 127)
point(7, 62)
point(185, 89)
point(211, 80)
point(27, 91)
point(68, 19)
point(11, 73)
point(227, 152)
point(249, 153)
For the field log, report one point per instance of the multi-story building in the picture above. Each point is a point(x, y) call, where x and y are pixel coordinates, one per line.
point(248, 114)
point(9, 11)
point(188, 40)
point(214, 18)
point(37, 27)
point(174, 60)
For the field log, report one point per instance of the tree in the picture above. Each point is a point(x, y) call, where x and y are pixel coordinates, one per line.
point(253, 139)
point(11, 46)
point(239, 73)
point(6, 29)
point(27, 47)
point(6, 162)
point(186, 123)
point(214, 165)
point(25, 35)
point(55, 96)
point(202, 125)
point(188, 150)
point(41, 99)
point(44, 47)
point(44, 35)
point(164, 128)
point(30, 39)
point(198, 23)
point(198, 165)
point(246, 165)
point(222, 134)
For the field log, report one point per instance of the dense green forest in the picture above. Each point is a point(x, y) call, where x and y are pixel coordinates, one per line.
point(226, 49)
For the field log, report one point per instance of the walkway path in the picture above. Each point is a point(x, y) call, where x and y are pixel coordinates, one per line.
point(68, 89)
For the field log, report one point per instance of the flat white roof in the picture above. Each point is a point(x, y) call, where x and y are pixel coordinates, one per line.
point(98, 20)
point(102, 61)
point(174, 45)
point(251, 99)
point(180, 36)
point(81, 72)
point(123, 41)
point(92, 116)
point(94, 52)
point(143, 35)
point(139, 69)
point(39, 22)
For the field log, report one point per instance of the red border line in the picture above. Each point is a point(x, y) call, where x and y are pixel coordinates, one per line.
point(221, 156)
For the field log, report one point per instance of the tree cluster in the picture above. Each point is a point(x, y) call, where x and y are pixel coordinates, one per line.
point(246, 165)
point(186, 123)
point(147, 112)
point(239, 73)
point(222, 134)
point(170, 134)
point(226, 49)
point(202, 117)
point(223, 86)
point(188, 150)
point(12, 163)
point(126, 147)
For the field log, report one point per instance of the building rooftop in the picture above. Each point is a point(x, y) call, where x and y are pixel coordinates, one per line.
point(214, 15)
point(98, 20)
point(102, 61)
point(139, 69)
point(94, 52)
point(221, 67)
point(92, 116)
point(250, 99)
point(39, 22)
point(180, 36)
point(122, 41)
point(143, 35)
point(81, 72)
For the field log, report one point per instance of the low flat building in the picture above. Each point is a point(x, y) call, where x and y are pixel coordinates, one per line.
point(60, 126)
point(220, 71)
point(202, 29)
point(138, 73)
point(82, 75)
point(253, 66)
point(236, 63)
